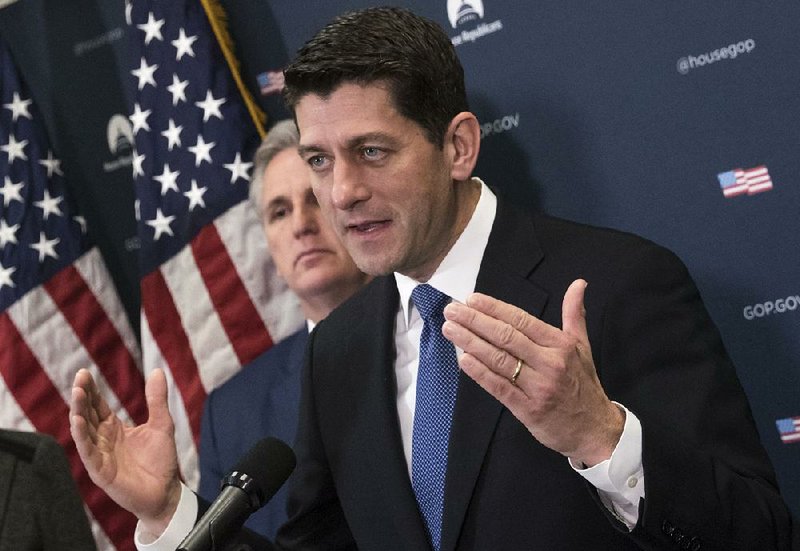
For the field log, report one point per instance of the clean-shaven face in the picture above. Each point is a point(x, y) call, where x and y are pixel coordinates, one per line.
point(306, 251)
point(386, 189)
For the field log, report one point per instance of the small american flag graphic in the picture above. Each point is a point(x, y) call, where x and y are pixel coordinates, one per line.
point(741, 181)
point(270, 82)
point(789, 429)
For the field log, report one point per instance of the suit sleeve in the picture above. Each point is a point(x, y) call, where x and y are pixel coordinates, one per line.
point(709, 482)
point(211, 472)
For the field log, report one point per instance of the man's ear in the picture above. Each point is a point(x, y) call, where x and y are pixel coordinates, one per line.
point(462, 142)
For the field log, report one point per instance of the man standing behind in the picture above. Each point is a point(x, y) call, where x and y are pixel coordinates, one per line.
point(263, 399)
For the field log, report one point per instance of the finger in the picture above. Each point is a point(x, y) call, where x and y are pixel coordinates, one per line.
point(501, 361)
point(511, 396)
point(155, 392)
point(573, 311)
point(83, 433)
point(533, 328)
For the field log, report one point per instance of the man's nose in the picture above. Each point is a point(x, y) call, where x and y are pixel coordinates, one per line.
point(348, 185)
point(305, 220)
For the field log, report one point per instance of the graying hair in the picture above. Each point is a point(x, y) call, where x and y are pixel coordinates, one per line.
point(283, 135)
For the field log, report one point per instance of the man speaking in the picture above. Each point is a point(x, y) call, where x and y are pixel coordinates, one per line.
point(477, 394)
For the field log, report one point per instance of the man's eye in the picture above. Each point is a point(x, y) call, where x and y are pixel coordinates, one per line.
point(372, 152)
point(276, 214)
point(317, 161)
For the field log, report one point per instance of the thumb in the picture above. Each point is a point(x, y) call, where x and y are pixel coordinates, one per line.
point(155, 392)
point(573, 312)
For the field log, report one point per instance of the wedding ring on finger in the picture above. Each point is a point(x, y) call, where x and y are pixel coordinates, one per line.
point(513, 378)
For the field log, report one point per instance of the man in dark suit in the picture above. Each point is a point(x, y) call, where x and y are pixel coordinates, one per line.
point(40, 507)
point(607, 419)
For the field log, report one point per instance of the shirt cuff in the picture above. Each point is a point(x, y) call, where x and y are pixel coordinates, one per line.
point(620, 479)
point(181, 524)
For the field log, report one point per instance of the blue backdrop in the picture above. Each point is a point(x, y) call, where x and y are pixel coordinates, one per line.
point(625, 114)
point(629, 114)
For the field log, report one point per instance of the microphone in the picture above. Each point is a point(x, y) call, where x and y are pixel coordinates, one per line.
point(251, 483)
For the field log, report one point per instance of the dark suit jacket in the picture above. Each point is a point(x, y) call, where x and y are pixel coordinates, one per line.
point(709, 483)
point(40, 508)
point(263, 399)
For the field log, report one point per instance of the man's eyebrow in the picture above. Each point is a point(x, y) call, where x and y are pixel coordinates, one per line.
point(277, 200)
point(304, 150)
point(351, 143)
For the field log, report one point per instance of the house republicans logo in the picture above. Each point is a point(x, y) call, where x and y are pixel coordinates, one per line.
point(461, 12)
point(119, 134)
point(469, 14)
point(770, 307)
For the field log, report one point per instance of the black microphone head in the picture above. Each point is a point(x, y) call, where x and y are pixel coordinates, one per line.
point(262, 470)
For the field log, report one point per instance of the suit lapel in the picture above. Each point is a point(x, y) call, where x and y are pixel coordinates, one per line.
point(511, 255)
point(382, 461)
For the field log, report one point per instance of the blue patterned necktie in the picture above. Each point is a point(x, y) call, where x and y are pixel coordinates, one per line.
point(437, 383)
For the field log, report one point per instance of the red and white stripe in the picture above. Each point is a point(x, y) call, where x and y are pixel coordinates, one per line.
point(74, 320)
point(208, 311)
point(756, 179)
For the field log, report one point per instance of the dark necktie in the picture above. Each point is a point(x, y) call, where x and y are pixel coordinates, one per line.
point(437, 383)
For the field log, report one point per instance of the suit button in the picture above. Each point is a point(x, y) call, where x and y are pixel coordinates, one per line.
point(667, 528)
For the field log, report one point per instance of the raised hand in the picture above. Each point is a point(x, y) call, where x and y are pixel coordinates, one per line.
point(544, 375)
point(136, 466)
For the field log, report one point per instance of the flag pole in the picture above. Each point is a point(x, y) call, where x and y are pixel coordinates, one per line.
point(218, 20)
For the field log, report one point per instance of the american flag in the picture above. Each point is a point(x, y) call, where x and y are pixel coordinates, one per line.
point(789, 429)
point(270, 82)
point(748, 181)
point(58, 309)
point(211, 298)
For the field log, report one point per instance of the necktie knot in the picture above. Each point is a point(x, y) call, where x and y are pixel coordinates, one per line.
point(430, 302)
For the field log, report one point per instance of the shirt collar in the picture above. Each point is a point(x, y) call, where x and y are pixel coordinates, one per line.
point(458, 272)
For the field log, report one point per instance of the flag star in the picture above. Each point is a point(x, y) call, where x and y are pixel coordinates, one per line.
point(183, 45)
point(201, 150)
point(238, 168)
point(210, 106)
point(177, 89)
point(139, 119)
point(46, 247)
point(161, 225)
point(152, 29)
point(49, 205)
point(15, 149)
point(19, 107)
point(136, 164)
point(52, 165)
point(8, 234)
point(145, 73)
point(168, 180)
point(5, 276)
point(81, 222)
point(173, 135)
point(195, 196)
point(10, 191)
